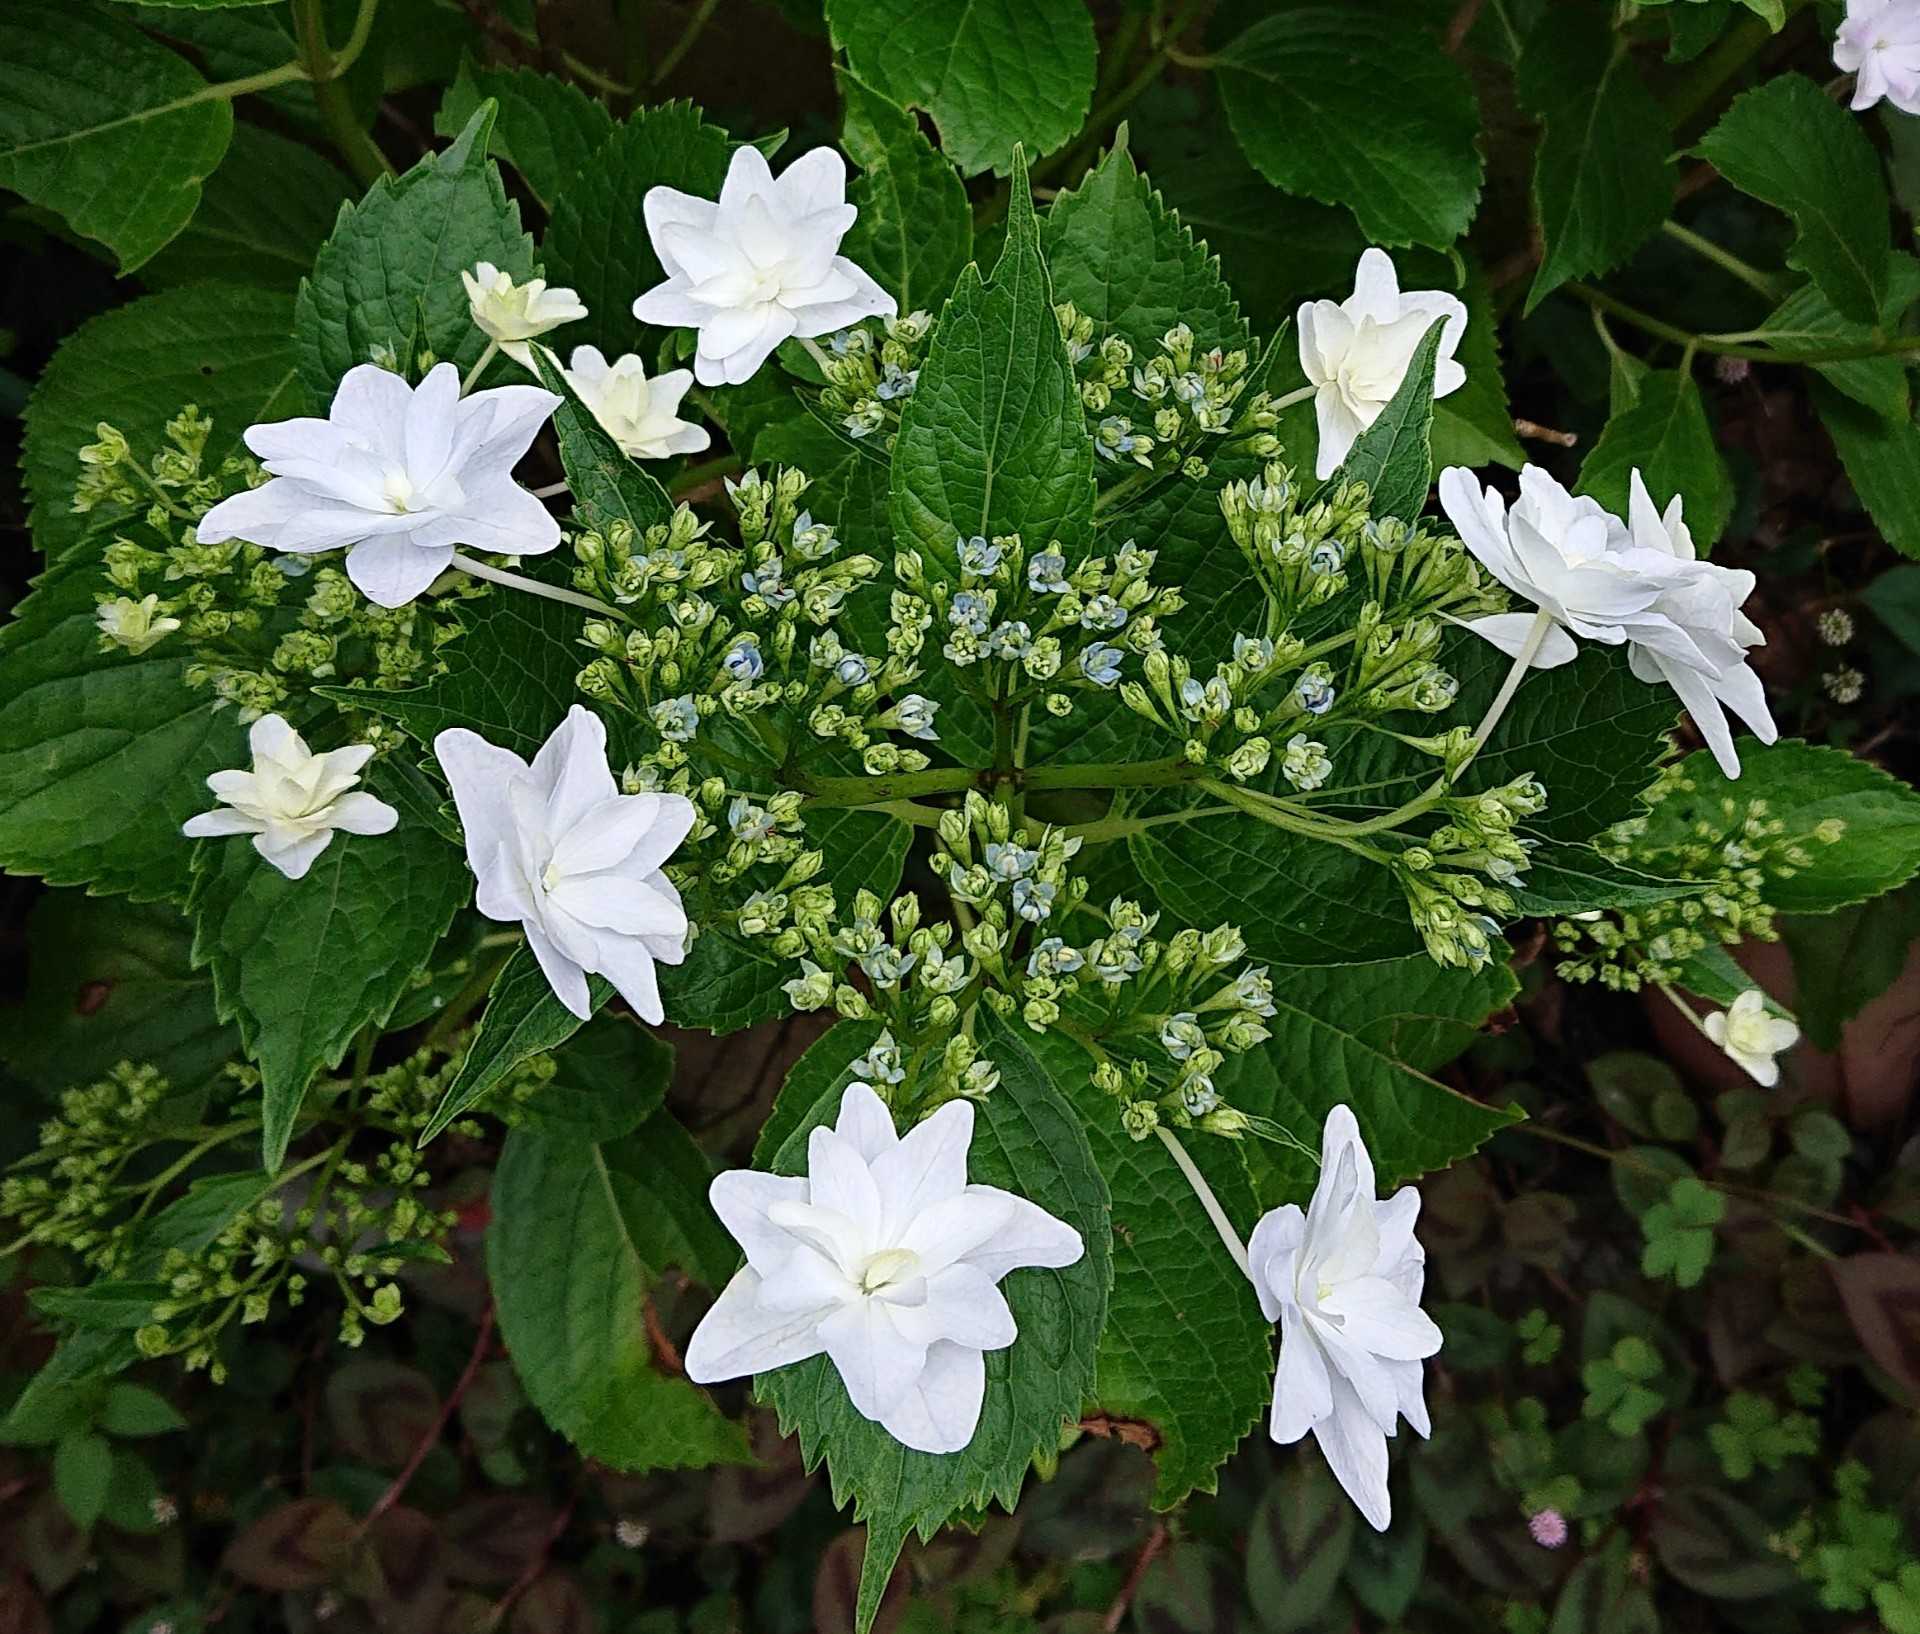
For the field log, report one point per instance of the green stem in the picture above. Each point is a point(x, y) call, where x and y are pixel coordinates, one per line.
point(1764, 282)
point(533, 587)
point(330, 97)
point(1230, 1237)
point(1523, 661)
point(1895, 345)
point(1126, 485)
point(695, 25)
point(480, 367)
point(1106, 829)
point(1697, 87)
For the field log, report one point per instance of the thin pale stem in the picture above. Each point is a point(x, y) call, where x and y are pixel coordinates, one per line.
point(818, 356)
point(1523, 661)
point(533, 587)
point(479, 368)
point(553, 490)
point(1298, 395)
point(1228, 1236)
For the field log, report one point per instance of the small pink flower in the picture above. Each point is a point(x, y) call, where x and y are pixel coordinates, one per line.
point(1549, 1528)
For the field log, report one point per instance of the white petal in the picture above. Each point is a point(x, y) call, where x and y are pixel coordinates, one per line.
point(927, 1166)
point(480, 773)
point(361, 813)
point(866, 300)
point(670, 307)
point(624, 907)
point(877, 1363)
point(211, 825)
point(373, 402)
point(1509, 632)
point(293, 855)
point(1339, 427)
point(628, 963)
point(667, 206)
point(571, 768)
point(1356, 1452)
point(496, 427)
point(1277, 1238)
point(865, 1123)
point(817, 180)
point(1376, 287)
point(430, 423)
point(1377, 1316)
point(1302, 1390)
point(604, 835)
point(256, 515)
point(738, 1336)
point(501, 516)
point(941, 1412)
point(741, 1197)
point(1026, 1236)
point(566, 978)
point(841, 1180)
point(964, 1305)
point(390, 572)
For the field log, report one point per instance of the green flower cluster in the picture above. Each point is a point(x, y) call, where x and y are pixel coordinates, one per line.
point(869, 376)
point(261, 628)
point(1735, 853)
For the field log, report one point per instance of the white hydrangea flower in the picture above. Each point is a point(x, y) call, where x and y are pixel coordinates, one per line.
point(1344, 1280)
point(1697, 639)
point(1357, 351)
point(885, 1258)
point(396, 475)
point(1560, 551)
point(1879, 42)
point(558, 849)
point(1637, 582)
point(139, 626)
point(1752, 1036)
point(758, 266)
point(293, 800)
point(514, 315)
point(641, 415)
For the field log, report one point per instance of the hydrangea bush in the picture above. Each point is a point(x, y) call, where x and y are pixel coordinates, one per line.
point(1140, 736)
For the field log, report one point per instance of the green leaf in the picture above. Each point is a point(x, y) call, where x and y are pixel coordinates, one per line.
point(1298, 1545)
point(1878, 848)
point(1303, 88)
point(1394, 455)
point(678, 1228)
point(1186, 1359)
point(1717, 1546)
point(1125, 260)
point(508, 676)
point(110, 981)
point(110, 1305)
point(522, 1019)
point(1665, 434)
point(1882, 461)
point(388, 278)
point(1806, 322)
point(100, 124)
point(1366, 1036)
point(82, 1468)
point(570, 1282)
point(1601, 182)
point(597, 240)
point(915, 229)
point(1845, 960)
point(265, 214)
point(223, 347)
point(132, 1410)
point(1474, 425)
point(1590, 731)
point(1027, 1139)
point(303, 965)
point(1894, 598)
point(1567, 879)
point(993, 440)
point(1788, 143)
point(548, 129)
point(994, 74)
point(608, 1080)
point(81, 728)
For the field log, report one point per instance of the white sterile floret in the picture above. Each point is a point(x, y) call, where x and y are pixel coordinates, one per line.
point(1751, 1036)
point(137, 626)
point(1637, 582)
point(293, 800)
point(759, 265)
point(1879, 42)
point(1344, 1280)
point(397, 476)
point(513, 315)
point(641, 415)
point(558, 849)
point(885, 1258)
point(1356, 352)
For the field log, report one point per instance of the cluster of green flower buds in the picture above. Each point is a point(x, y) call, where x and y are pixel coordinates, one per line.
point(1171, 411)
point(259, 628)
point(1734, 849)
point(871, 375)
point(914, 1080)
point(711, 628)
